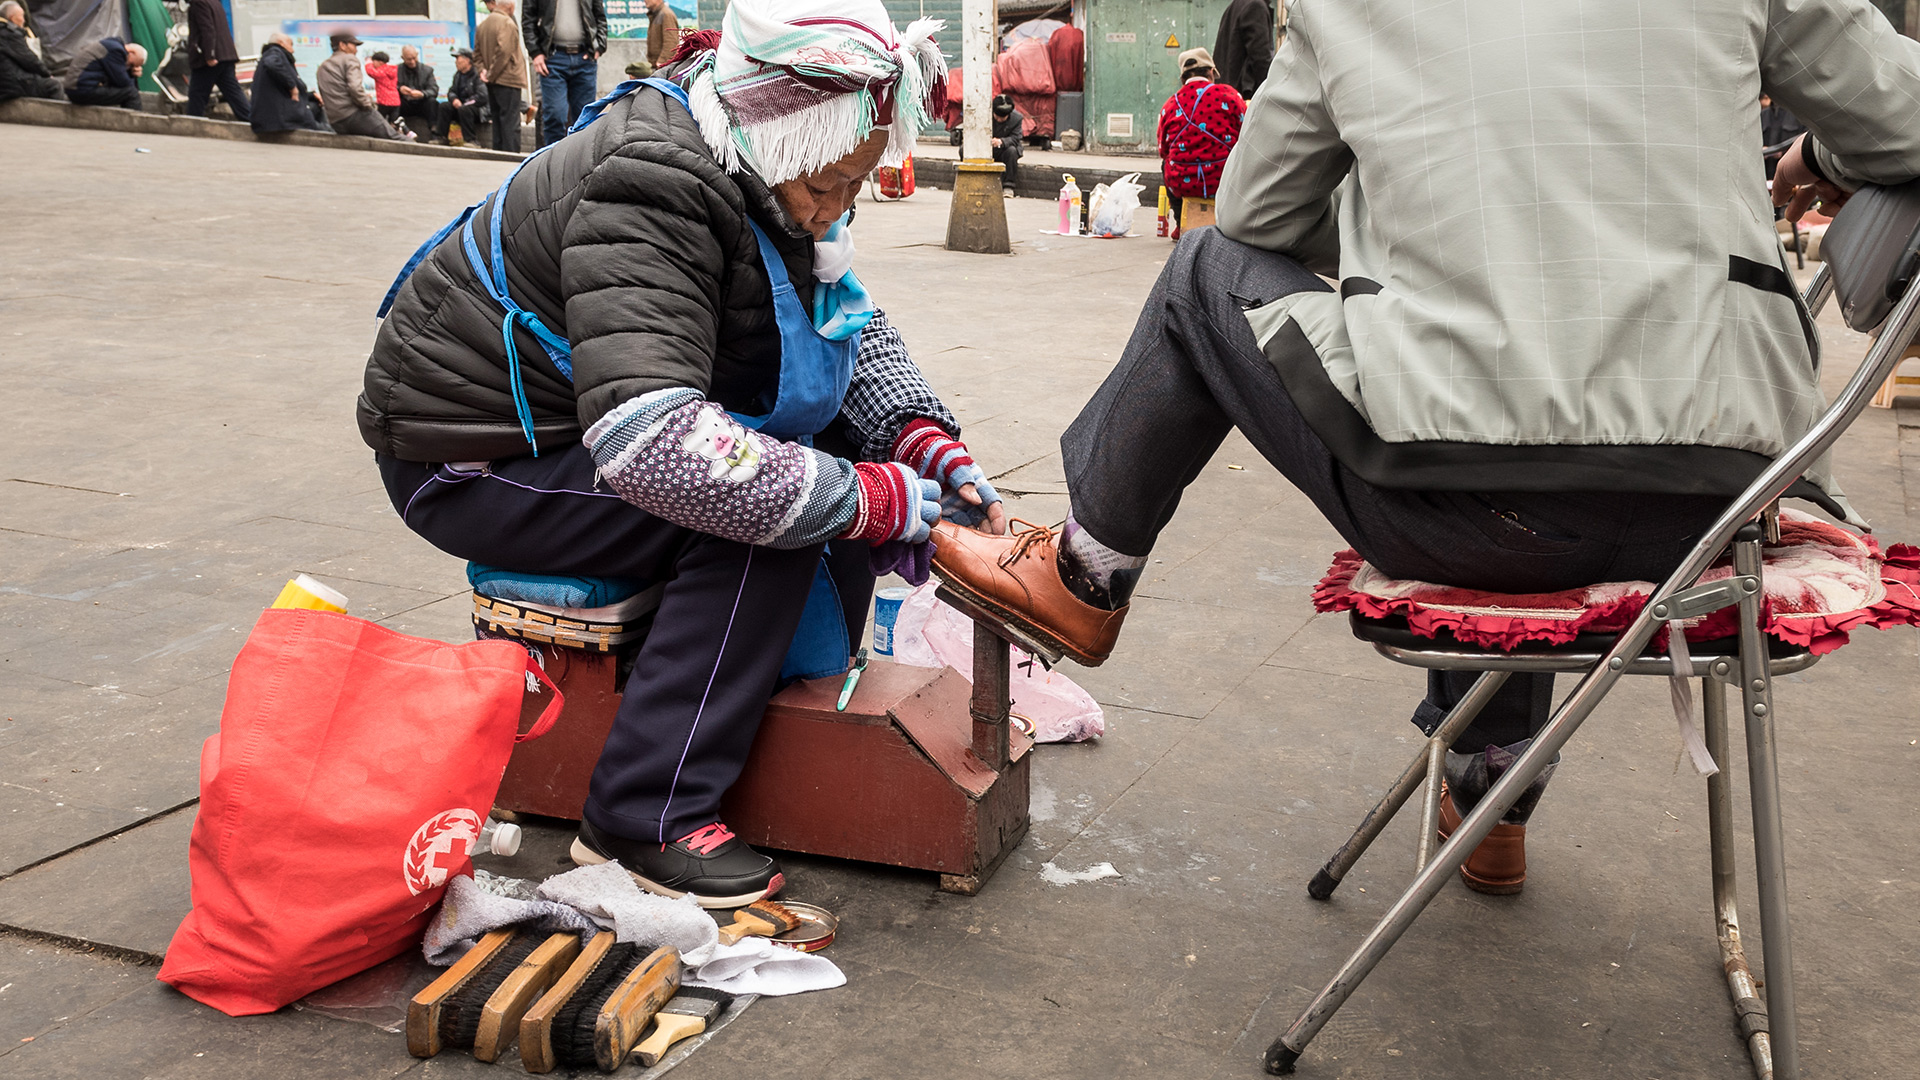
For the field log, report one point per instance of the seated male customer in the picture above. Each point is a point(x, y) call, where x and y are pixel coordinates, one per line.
point(702, 422)
point(1563, 335)
point(112, 77)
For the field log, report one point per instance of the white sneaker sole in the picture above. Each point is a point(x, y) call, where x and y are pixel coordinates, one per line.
point(585, 856)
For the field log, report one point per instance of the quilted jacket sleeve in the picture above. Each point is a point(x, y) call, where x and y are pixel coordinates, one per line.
point(642, 267)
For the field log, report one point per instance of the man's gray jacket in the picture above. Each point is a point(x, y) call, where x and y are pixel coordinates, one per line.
point(339, 79)
point(1557, 261)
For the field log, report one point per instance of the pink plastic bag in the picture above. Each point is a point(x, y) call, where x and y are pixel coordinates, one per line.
point(928, 633)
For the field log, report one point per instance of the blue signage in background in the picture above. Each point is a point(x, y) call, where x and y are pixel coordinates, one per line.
point(435, 40)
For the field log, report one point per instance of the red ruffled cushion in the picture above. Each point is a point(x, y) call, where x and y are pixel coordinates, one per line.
point(1821, 583)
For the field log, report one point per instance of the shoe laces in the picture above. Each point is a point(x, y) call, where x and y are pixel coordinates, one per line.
point(703, 840)
point(1025, 539)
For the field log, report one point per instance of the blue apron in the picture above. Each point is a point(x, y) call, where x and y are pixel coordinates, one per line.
point(815, 372)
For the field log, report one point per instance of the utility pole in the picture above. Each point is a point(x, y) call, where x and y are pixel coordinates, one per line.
point(978, 219)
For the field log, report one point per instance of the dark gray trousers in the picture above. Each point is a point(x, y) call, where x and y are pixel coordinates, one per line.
point(1193, 371)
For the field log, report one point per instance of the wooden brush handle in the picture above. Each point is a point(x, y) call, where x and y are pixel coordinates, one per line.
point(633, 1003)
point(667, 1030)
point(745, 925)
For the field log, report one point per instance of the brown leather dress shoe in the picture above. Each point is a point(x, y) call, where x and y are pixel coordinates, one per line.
point(1015, 577)
point(1498, 866)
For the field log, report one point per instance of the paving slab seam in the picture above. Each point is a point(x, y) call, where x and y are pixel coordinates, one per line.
point(84, 844)
point(93, 948)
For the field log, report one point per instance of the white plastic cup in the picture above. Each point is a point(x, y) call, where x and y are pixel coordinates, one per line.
point(886, 612)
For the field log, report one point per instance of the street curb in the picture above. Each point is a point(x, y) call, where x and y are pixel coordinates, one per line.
point(41, 113)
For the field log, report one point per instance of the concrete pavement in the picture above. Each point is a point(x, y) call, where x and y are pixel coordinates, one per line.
point(183, 338)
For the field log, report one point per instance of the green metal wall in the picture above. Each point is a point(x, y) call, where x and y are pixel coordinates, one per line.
point(1132, 70)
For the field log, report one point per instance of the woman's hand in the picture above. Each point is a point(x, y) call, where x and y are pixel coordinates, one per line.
point(966, 496)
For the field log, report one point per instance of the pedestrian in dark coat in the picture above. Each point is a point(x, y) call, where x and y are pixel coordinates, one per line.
point(419, 93)
point(22, 74)
point(1007, 124)
point(279, 94)
point(1243, 49)
point(111, 78)
point(211, 57)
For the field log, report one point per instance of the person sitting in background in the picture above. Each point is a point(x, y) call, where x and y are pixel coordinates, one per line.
point(212, 59)
point(22, 72)
point(112, 78)
point(279, 96)
point(386, 86)
point(466, 101)
point(1198, 126)
point(350, 109)
point(419, 93)
point(1007, 122)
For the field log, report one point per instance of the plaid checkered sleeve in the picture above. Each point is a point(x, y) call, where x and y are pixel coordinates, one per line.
point(888, 392)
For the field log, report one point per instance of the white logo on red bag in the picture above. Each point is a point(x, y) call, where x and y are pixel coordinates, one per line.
point(438, 848)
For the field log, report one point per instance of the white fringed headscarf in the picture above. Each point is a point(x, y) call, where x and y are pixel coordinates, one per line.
point(796, 85)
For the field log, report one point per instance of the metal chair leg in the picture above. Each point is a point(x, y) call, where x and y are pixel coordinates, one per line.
point(1376, 820)
point(1749, 1012)
point(1769, 838)
point(1430, 806)
point(1285, 1051)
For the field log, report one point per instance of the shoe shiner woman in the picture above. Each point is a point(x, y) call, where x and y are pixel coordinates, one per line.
point(645, 359)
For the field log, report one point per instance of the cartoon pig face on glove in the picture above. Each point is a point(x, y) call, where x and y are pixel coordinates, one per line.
point(734, 452)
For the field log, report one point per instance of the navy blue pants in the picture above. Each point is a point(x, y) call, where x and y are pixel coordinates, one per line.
point(701, 680)
point(566, 88)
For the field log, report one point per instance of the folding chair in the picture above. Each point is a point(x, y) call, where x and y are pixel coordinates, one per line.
point(1873, 248)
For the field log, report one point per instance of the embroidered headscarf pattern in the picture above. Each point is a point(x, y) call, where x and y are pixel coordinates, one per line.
point(795, 85)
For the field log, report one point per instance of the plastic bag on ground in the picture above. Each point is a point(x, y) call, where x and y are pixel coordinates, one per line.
point(928, 633)
point(1111, 211)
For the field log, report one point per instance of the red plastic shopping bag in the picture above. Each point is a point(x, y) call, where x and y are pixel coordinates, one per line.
point(353, 769)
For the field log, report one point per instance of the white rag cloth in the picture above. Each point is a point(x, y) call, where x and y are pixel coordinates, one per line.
point(606, 896)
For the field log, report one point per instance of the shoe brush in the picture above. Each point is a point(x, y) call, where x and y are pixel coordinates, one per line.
point(447, 1012)
point(594, 1013)
point(499, 1018)
point(762, 918)
point(692, 1011)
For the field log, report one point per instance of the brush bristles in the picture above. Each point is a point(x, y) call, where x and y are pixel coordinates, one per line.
point(697, 1001)
point(772, 911)
point(460, 1013)
point(573, 1025)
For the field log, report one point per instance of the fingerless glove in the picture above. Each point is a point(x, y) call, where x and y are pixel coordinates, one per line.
point(894, 504)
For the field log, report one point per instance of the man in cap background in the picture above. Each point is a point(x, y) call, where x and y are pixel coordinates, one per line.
point(1007, 122)
point(466, 101)
point(342, 86)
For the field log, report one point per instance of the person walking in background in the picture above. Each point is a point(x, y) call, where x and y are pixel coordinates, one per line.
point(419, 93)
point(112, 78)
point(663, 32)
point(564, 41)
point(279, 95)
point(386, 86)
point(1244, 45)
point(211, 57)
point(22, 72)
point(350, 109)
point(1198, 126)
point(466, 101)
point(496, 48)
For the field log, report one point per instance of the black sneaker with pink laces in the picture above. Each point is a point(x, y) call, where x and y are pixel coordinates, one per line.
point(709, 862)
